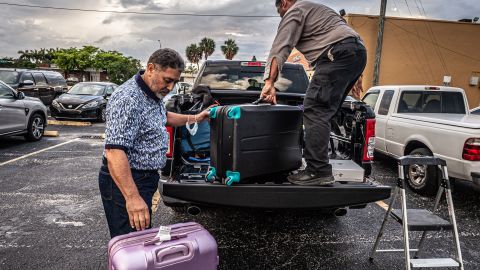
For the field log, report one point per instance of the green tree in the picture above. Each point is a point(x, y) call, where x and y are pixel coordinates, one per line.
point(230, 49)
point(118, 67)
point(207, 45)
point(67, 60)
point(194, 54)
point(191, 69)
point(86, 57)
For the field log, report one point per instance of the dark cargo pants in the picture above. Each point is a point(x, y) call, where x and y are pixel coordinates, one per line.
point(330, 85)
point(114, 202)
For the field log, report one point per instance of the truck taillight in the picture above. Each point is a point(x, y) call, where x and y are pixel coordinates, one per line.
point(471, 150)
point(369, 146)
point(170, 132)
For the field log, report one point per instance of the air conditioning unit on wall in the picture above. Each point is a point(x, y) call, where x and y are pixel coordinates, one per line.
point(474, 79)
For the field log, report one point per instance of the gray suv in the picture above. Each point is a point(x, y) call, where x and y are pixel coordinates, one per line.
point(20, 115)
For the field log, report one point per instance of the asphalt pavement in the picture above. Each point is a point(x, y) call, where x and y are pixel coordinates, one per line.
point(51, 217)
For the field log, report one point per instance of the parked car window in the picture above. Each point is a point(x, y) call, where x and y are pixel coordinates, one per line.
point(110, 90)
point(6, 92)
point(27, 77)
point(39, 79)
point(410, 102)
point(453, 102)
point(87, 89)
point(431, 102)
point(371, 99)
point(10, 77)
point(236, 77)
point(55, 78)
point(385, 103)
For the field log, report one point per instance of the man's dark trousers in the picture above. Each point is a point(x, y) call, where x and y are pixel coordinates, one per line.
point(330, 85)
point(114, 202)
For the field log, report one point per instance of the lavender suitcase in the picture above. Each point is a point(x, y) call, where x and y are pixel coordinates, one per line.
point(191, 247)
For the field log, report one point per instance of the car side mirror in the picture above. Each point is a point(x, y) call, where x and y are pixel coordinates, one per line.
point(21, 95)
point(27, 83)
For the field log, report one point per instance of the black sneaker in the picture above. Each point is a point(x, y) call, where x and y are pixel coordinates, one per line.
point(306, 178)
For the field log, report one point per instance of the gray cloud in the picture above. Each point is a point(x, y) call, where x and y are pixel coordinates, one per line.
point(138, 35)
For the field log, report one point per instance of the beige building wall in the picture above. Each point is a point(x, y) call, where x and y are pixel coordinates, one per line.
point(419, 51)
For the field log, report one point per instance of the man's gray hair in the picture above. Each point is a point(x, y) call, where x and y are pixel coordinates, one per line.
point(167, 58)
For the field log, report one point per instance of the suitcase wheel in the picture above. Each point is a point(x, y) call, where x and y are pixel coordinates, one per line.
point(229, 181)
point(232, 177)
point(211, 175)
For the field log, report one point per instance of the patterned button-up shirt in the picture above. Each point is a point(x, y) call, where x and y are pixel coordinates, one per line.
point(136, 120)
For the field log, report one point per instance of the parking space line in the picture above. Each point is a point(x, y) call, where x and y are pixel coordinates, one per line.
point(383, 205)
point(51, 133)
point(38, 152)
point(69, 123)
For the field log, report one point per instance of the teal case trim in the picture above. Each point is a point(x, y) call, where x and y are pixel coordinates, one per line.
point(211, 174)
point(232, 177)
point(234, 113)
point(213, 112)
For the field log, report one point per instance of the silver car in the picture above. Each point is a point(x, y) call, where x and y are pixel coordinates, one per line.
point(20, 115)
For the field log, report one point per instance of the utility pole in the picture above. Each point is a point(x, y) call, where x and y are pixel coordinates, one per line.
point(160, 43)
point(378, 53)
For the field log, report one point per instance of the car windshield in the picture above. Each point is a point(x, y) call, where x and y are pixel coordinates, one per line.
point(10, 77)
point(244, 77)
point(87, 89)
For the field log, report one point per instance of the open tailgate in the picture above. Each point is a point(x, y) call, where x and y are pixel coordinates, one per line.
point(276, 196)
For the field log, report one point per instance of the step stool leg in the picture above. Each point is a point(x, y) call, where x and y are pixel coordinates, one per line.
point(387, 214)
point(451, 213)
point(406, 242)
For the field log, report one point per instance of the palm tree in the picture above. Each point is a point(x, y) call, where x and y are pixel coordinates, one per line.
point(207, 45)
point(194, 54)
point(25, 55)
point(35, 55)
point(230, 49)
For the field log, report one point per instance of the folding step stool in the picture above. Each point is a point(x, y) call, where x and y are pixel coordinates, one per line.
point(422, 220)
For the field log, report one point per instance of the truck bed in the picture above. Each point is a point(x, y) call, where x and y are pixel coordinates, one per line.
point(456, 120)
point(351, 189)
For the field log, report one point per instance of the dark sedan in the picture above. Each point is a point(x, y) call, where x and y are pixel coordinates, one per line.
point(84, 101)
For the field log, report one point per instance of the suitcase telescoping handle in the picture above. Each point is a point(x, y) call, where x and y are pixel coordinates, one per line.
point(258, 101)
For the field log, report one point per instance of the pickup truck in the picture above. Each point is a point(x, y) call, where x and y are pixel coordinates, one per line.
point(238, 82)
point(427, 121)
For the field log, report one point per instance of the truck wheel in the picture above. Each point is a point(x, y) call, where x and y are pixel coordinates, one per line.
point(423, 179)
point(35, 128)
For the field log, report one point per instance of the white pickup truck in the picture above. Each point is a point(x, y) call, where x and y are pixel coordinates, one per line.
point(425, 121)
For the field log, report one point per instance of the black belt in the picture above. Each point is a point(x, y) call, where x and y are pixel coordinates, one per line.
point(350, 40)
point(105, 163)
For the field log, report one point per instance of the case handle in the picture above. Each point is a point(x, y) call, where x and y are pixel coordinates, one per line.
point(184, 250)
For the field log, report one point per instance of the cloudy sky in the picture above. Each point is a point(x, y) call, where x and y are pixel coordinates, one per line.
point(137, 35)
